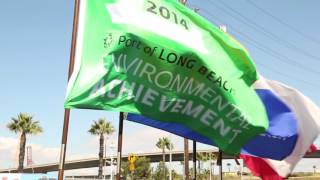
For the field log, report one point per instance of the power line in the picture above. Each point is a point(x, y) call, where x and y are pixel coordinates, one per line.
point(313, 39)
point(272, 52)
point(261, 29)
point(286, 75)
point(276, 71)
point(280, 72)
point(276, 54)
point(254, 43)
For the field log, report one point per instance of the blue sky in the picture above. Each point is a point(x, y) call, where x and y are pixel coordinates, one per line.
point(282, 37)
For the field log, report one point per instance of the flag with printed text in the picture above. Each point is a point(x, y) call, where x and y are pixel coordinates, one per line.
point(159, 59)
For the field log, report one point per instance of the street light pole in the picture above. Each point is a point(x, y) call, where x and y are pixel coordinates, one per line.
point(105, 157)
point(112, 147)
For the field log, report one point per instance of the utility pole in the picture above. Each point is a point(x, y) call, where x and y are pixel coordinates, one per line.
point(219, 161)
point(119, 152)
point(223, 28)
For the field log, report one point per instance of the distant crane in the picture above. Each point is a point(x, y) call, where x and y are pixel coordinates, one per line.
point(29, 156)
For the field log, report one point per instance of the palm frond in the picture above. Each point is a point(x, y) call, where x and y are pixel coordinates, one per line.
point(102, 126)
point(24, 123)
point(164, 143)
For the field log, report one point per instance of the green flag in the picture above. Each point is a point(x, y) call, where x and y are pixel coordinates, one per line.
point(159, 59)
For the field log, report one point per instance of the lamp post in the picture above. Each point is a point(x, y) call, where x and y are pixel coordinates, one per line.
point(105, 156)
point(112, 147)
point(211, 171)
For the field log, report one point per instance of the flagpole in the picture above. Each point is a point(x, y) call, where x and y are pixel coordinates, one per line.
point(195, 160)
point(119, 153)
point(186, 143)
point(63, 147)
point(224, 29)
point(219, 163)
point(186, 159)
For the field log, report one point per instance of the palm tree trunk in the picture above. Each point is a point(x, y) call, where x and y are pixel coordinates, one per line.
point(164, 164)
point(101, 161)
point(22, 151)
point(186, 158)
point(163, 156)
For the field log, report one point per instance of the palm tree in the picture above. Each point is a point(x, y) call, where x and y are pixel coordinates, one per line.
point(24, 124)
point(163, 144)
point(201, 156)
point(212, 158)
point(101, 127)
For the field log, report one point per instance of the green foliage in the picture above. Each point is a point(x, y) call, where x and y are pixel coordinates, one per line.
point(176, 176)
point(160, 172)
point(202, 175)
point(164, 143)
point(206, 156)
point(102, 126)
point(142, 169)
point(24, 124)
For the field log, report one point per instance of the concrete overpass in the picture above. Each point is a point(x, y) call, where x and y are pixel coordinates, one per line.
point(93, 162)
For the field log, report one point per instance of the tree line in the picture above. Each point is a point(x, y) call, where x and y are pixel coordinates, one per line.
point(25, 124)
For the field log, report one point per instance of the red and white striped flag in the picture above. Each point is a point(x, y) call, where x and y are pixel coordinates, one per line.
point(308, 116)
